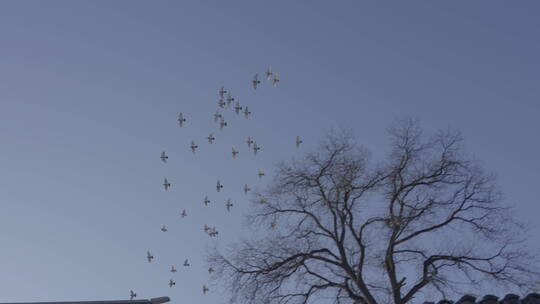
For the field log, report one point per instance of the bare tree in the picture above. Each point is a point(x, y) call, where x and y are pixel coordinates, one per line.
point(427, 219)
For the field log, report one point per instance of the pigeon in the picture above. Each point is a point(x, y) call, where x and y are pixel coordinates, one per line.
point(222, 92)
point(256, 148)
point(212, 232)
point(181, 120)
point(164, 157)
point(275, 80)
point(217, 116)
point(230, 99)
point(211, 138)
point(255, 81)
point(166, 184)
point(193, 146)
point(298, 141)
point(237, 107)
point(246, 112)
point(221, 103)
point(228, 205)
point(222, 124)
point(269, 73)
point(219, 186)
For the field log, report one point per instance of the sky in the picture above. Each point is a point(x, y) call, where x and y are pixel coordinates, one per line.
point(90, 92)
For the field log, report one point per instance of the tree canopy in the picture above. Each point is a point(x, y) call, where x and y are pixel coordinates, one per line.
point(427, 218)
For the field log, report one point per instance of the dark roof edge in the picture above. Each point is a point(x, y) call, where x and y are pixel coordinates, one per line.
point(159, 300)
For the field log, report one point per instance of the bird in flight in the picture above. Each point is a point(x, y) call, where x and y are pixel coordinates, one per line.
point(210, 270)
point(211, 138)
point(222, 123)
point(204, 289)
point(219, 186)
point(249, 141)
point(221, 103)
point(246, 112)
point(261, 173)
point(193, 146)
point(166, 185)
point(149, 257)
point(269, 73)
point(164, 157)
point(212, 232)
point(164, 228)
point(246, 188)
point(173, 269)
point(132, 295)
point(217, 115)
point(256, 148)
point(181, 119)
point(222, 92)
point(237, 107)
point(298, 141)
point(183, 214)
point(255, 81)
point(186, 263)
point(275, 80)
point(230, 99)
point(206, 201)
point(234, 153)
point(228, 205)
point(171, 283)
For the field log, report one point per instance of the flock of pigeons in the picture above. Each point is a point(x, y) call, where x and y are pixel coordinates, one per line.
point(226, 100)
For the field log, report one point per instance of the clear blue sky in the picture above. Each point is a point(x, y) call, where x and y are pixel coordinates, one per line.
point(90, 90)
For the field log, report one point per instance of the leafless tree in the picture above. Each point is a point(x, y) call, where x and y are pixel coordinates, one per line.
point(426, 219)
